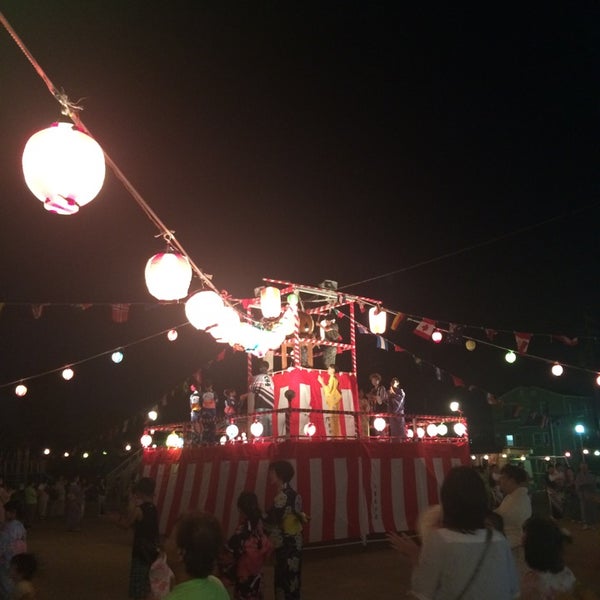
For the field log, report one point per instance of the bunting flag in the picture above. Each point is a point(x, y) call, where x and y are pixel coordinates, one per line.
point(567, 341)
point(425, 328)
point(457, 381)
point(397, 320)
point(120, 312)
point(382, 343)
point(522, 340)
point(490, 334)
point(361, 328)
point(398, 348)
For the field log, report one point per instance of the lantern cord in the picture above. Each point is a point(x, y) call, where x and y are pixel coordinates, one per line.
point(72, 110)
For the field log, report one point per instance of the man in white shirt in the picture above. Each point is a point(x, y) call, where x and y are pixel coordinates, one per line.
point(514, 509)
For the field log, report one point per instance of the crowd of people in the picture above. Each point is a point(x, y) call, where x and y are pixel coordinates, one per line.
point(481, 541)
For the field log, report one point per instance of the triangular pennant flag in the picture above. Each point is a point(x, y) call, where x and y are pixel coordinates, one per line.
point(120, 313)
point(382, 343)
point(457, 381)
point(490, 334)
point(566, 340)
point(398, 348)
point(361, 328)
point(522, 340)
point(397, 320)
point(425, 328)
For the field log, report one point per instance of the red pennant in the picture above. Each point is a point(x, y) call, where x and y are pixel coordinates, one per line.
point(522, 340)
point(490, 334)
point(425, 328)
point(458, 382)
point(120, 313)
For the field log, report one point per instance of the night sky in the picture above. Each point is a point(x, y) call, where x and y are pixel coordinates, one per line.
point(440, 159)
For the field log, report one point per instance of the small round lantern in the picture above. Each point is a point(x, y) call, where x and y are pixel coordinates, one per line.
point(63, 167)
point(152, 415)
point(68, 374)
point(442, 429)
point(202, 309)
point(21, 390)
point(256, 429)
point(310, 429)
point(174, 440)
point(168, 276)
point(432, 430)
point(232, 431)
point(172, 335)
point(557, 370)
point(377, 320)
point(117, 356)
point(460, 429)
point(146, 440)
point(470, 345)
point(379, 424)
point(510, 357)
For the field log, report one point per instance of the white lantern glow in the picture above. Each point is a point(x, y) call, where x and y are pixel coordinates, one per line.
point(46, 451)
point(557, 370)
point(172, 335)
point(146, 440)
point(152, 415)
point(270, 302)
point(377, 320)
point(510, 357)
point(232, 431)
point(432, 430)
point(460, 429)
point(117, 356)
point(223, 440)
point(410, 433)
point(127, 447)
point(66, 454)
point(63, 167)
point(454, 406)
point(420, 432)
point(256, 429)
point(227, 324)
point(310, 429)
point(437, 336)
point(68, 374)
point(168, 276)
point(174, 440)
point(202, 309)
point(442, 429)
point(21, 390)
point(379, 423)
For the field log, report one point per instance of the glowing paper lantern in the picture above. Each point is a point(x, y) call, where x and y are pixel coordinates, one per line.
point(454, 406)
point(310, 429)
point(152, 415)
point(21, 390)
point(510, 357)
point(420, 432)
point(117, 356)
point(227, 324)
point(437, 336)
point(432, 430)
point(174, 441)
point(202, 309)
point(232, 431)
point(460, 429)
point(410, 433)
point(598, 380)
point(67, 374)
point(256, 429)
point(146, 440)
point(379, 424)
point(172, 335)
point(470, 345)
point(63, 167)
point(377, 320)
point(557, 370)
point(168, 276)
point(442, 429)
point(46, 451)
point(270, 302)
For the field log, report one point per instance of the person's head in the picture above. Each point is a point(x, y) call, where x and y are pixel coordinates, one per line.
point(12, 510)
point(247, 504)
point(281, 470)
point(144, 487)
point(331, 369)
point(464, 499)
point(375, 378)
point(263, 366)
point(543, 544)
point(395, 383)
point(512, 477)
point(23, 566)
point(194, 544)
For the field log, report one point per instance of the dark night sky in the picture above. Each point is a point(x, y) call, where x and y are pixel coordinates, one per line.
point(302, 141)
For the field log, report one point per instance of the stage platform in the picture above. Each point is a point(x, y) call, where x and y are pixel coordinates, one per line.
point(353, 489)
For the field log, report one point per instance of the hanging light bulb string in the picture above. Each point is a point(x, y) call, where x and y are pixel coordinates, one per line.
point(72, 111)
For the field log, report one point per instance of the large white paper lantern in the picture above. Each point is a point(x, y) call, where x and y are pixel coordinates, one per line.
point(168, 276)
point(228, 322)
point(203, 308)
point(63, 167)
point(377, 320)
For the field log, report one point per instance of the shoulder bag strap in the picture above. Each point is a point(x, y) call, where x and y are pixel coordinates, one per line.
point(488, 540)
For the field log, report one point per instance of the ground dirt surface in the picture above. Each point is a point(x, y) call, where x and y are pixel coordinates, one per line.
point(93, 564)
